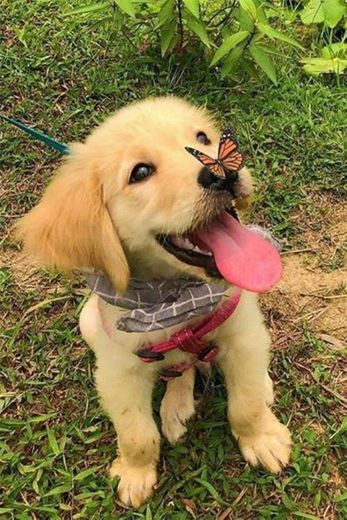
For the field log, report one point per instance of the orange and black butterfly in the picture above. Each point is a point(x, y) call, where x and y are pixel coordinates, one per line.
point(230, 159)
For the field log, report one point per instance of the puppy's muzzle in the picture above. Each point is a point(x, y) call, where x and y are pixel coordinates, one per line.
point(209, 181)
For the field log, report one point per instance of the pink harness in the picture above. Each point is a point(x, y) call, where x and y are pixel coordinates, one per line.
point(190, 339)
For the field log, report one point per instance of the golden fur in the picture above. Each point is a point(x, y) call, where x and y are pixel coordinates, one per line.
point(91, 217)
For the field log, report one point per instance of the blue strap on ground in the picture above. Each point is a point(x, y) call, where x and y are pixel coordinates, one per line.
point(59, 147)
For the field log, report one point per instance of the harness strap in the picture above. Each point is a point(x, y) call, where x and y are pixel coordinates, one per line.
point(190, 339)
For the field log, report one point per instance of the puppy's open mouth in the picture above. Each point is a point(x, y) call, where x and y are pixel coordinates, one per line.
point(227, 249)
point(190, 250)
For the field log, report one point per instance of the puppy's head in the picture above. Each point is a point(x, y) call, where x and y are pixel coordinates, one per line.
point(130, 198)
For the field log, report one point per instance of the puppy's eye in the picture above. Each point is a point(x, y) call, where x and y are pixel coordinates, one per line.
point(202, 138)
point(141, 171)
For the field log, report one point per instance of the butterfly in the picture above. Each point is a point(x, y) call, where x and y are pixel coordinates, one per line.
point(229, 160)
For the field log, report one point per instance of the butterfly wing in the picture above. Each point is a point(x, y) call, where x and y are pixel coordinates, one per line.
point(205, 159)
point(234, 161)
point(227, 140)
point(217, 169)
point(228, 151)
point(212, 164)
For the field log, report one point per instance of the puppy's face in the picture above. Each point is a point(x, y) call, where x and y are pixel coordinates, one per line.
point(131, 199)
point(158, 194)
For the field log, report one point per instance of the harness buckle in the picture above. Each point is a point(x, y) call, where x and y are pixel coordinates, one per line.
point(169, 373)
point(208, 354)
point(148, 356)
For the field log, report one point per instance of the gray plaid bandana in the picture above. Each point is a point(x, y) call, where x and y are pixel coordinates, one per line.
point(157, 304)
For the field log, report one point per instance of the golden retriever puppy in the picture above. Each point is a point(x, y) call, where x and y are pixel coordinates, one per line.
point(123, 204)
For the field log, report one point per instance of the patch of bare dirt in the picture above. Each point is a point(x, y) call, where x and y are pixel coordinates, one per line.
point(26, 275)
point(313, 290)
point(20, 268)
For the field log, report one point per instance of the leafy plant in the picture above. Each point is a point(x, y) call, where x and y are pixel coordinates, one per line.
point(328, 12)
point(333, 59)
point(249, 34)
point(331, 17)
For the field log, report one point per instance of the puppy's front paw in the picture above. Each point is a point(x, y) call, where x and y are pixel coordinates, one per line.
point(176, 409)
point(269, 447)
point(136, 483)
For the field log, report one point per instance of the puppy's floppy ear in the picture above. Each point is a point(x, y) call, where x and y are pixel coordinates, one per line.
point(71, 227)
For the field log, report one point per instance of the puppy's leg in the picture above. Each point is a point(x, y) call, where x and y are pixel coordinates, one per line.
point(177, 406)
point(244, 361)
point(127, 397)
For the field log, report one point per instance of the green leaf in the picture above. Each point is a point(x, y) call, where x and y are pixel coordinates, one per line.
point(277, 35)
point(64, 488)
point(87, 472)
point(213, 492)
point(245, 21)
point(316, 66)
point(199, 29)
point(166, 12)
point(228, 44)
point(193, 7)
point(261, 14)
point(41, 418)
point(290, 504)
point(300, 514)
point(264, 61)
point(126, 6)
point(338, 50)
point(167, 33)
point(231, 60)
point(88, 9)
point(334, 10)
point(269, 49)
point(149, 515)
point(52, 441)
point(328, 11)
point(312, 12)
point(250, 8)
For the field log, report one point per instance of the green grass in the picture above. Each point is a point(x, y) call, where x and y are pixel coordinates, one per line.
point(64, 76)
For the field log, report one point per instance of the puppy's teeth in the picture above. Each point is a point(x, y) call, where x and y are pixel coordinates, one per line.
point(202, 251)
point(188, 244)
point(182, 243)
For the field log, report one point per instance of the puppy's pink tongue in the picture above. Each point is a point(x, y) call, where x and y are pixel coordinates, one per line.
point(243, 258)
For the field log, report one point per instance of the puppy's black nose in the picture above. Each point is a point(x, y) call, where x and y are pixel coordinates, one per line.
point(209, 181)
